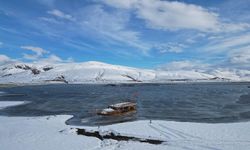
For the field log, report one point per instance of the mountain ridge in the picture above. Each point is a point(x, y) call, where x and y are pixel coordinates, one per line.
point(99, 72)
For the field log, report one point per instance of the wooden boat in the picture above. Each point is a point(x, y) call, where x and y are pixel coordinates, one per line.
point(118, 109)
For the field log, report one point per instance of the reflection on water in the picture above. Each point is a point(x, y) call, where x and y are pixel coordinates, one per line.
point(193, 102)
point(2, 93)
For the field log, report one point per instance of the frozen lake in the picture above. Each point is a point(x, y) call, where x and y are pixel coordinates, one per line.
point(190, 102)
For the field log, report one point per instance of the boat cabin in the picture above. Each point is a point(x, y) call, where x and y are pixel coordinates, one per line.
point(119, 109)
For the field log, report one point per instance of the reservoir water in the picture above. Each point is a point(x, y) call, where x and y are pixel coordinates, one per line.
point(191, 102)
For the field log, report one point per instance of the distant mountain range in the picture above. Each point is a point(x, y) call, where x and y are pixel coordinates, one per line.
point(98, 72)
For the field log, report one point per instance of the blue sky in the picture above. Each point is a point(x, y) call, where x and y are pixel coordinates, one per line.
point(137, 33)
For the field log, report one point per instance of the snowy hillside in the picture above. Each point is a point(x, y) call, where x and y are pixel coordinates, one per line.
point(97, 72)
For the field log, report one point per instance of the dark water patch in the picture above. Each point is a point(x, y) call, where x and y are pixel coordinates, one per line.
point(132, 84)
point(191, 102)
point(111, 85)
point(245, 115)
point(244, 99)
point(13, 95)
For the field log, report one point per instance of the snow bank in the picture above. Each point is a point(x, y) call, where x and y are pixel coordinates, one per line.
point(40, 133)
point(51, 133)
point(180, 135)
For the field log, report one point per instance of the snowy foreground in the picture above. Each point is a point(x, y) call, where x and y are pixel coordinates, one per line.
point(98, 72)
point(51, 133)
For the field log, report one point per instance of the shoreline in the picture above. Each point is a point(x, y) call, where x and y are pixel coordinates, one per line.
point(9, 85)
point(48, 132)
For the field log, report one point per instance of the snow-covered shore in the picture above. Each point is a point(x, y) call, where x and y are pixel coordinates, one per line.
point(51, 133)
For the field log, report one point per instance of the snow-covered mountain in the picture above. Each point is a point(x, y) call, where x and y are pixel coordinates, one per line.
point(98, 72)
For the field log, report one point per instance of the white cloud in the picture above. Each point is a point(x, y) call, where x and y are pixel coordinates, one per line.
point(39, 52)
point(234, 50)
point(170, 47)
point(176, 15)
point(173, 15)
point(49, 20)
point(241, 57)
point(232, 27)
point(60, 14)
point(54, 59)
point(122, 3)
point(109, 27)
point(112, 27)
point(185, 65)
point(39, 55)
point(51, 59)
point(70, 59)
point(5, 59)
point(30, 57)
point(228, 43)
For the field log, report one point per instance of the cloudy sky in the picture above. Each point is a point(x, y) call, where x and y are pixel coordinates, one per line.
point(137, 33)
